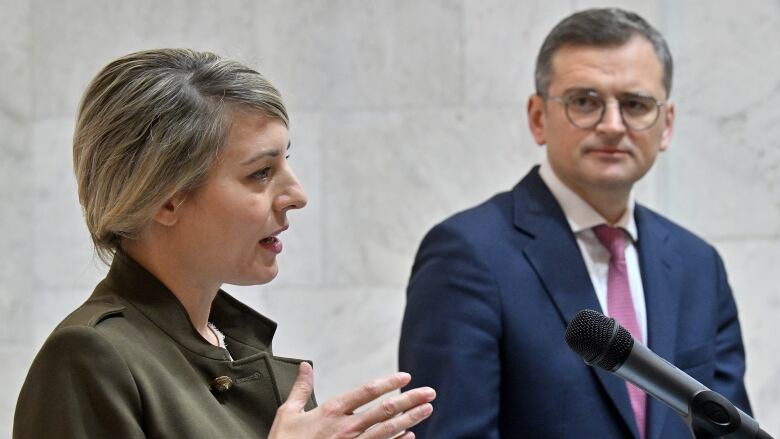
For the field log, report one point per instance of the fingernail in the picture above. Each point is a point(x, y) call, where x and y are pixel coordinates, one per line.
point(429, 392)
point(424, 410)
point(403, 376)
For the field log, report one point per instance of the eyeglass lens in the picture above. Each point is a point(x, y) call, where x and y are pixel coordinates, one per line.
point(586, 110)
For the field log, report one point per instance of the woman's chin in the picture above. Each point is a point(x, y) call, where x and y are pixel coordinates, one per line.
point(258, 270)
point(259, 276)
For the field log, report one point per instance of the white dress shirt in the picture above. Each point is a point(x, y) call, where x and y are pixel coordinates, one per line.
point(582, 218)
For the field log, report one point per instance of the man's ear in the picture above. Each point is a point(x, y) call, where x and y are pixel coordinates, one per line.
point(168, 214)
point(666, 136)
point(536, 118)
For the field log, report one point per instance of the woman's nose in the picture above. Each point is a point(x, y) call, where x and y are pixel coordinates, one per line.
point(293, 196)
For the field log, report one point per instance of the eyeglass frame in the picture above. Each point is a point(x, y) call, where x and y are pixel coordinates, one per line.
point(566, 100)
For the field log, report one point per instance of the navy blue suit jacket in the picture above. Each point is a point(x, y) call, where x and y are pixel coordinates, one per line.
point(491, 292)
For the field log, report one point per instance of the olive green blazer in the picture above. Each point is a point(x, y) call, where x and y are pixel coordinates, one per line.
point(129, 364)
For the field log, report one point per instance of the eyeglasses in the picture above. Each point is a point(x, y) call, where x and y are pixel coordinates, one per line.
point(586, 109)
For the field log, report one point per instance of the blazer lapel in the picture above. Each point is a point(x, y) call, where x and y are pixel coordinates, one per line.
point(556, 258)
point(657, 262)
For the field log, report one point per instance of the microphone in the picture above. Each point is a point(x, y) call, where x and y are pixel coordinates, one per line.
point(603, 343)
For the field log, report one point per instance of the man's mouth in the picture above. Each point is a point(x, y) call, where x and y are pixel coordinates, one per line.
point(609, 152)
point(609, 149)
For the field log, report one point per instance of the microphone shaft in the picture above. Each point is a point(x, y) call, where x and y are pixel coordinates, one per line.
point(669, 384)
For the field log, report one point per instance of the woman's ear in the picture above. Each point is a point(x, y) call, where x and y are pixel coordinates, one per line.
point(168, 214)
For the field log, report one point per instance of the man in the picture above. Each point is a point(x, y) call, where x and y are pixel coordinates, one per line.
point(493, 288)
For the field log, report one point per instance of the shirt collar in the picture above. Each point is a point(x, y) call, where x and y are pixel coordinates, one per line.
point(580, 215)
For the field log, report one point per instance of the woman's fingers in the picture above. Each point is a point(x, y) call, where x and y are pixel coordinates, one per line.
point(389, 418)
point(396, 425)
point(347, 403)
point(391, 407)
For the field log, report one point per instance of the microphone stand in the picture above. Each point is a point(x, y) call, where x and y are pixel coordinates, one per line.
point(714, 417)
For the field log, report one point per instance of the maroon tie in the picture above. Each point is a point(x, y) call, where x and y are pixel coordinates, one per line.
point(620, 306)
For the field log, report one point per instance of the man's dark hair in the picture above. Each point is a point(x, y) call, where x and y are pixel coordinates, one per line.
point(599, 27)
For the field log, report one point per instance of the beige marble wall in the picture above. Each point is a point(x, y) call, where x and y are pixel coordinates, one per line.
point(722, 178)
point(403, 112)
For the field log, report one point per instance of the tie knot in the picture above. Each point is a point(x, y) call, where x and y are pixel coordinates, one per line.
point(613, 238)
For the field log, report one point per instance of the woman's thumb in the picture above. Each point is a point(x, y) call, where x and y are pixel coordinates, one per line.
point(302, 387)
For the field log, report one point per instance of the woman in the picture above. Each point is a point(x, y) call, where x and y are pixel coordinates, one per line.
point(180, 159)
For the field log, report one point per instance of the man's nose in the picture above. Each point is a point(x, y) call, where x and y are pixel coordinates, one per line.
point(612, 121)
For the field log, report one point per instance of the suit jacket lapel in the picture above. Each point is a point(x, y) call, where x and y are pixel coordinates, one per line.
point(657, 261)
point(556, 258)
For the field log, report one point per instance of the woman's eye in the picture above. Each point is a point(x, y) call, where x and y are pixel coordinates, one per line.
point(262, 174)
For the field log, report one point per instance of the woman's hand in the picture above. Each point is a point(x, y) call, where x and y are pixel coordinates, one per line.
point(336, 419)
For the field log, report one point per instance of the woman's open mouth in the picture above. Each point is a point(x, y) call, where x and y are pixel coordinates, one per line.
point(272, 244)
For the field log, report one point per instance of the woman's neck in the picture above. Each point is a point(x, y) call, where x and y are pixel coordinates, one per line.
point(195, 294)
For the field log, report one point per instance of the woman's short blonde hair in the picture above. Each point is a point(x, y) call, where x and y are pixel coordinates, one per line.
point(150, 125)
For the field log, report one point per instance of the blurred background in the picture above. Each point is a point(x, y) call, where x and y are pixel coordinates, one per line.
point(402, 113)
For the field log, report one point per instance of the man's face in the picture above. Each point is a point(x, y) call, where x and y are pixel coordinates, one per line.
point(608, 157)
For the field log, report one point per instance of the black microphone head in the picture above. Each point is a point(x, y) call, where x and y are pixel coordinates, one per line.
point(599, 340)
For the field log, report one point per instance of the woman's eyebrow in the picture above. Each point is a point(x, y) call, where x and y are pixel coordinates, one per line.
point(263, 154)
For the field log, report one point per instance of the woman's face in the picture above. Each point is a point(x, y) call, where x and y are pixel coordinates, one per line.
point(228, 228)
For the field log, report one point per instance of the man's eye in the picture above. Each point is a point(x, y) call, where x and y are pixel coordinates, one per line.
point(637, 106)
point(584, 103)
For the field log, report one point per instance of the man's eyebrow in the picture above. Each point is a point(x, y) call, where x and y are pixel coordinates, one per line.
point(573, 90)
point(592, 91)
point(263, 154)
point(636, 94)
